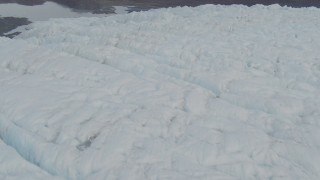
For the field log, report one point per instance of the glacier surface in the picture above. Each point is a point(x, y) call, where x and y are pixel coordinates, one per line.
point(211, 92)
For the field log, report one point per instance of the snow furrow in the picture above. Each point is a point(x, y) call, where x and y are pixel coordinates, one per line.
point(12, 137)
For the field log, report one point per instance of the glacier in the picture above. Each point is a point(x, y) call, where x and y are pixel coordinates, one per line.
point(210, 92)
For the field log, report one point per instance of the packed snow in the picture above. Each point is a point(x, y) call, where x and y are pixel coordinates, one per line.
point(211, 92)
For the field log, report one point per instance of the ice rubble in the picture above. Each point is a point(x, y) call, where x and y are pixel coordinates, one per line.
point(212, 92)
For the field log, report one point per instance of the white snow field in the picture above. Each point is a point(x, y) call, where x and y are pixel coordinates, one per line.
point(212, 92)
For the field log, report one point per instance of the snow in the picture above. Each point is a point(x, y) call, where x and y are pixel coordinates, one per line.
point(212, 92)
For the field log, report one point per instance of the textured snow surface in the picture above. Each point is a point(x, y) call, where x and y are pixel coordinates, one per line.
point(211, 92)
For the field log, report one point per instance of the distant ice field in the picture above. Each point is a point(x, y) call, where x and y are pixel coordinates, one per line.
point(211, 92)
point(47, 11)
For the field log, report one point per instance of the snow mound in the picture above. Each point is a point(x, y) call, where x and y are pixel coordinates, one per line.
point(212, 92)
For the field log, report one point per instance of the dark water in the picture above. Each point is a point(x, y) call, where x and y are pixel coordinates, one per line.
point(107, 6)
point(9, 23)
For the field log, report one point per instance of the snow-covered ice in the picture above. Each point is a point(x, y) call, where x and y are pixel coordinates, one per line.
point(212, 92)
